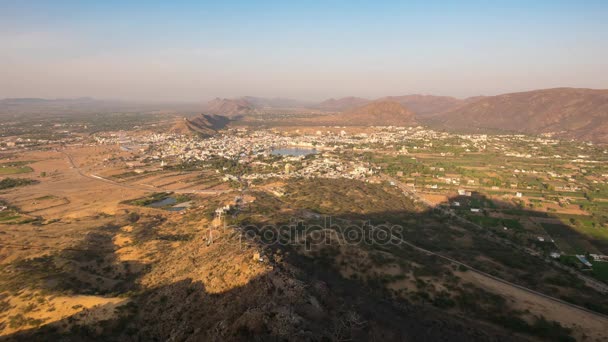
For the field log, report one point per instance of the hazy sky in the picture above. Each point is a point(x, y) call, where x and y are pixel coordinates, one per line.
point(195, 50)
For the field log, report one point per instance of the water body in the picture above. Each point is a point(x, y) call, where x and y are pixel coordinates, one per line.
point(163, 203)
point(293, 151)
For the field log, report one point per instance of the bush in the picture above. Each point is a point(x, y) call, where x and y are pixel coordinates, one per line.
point(8, 183)
point(133, 217)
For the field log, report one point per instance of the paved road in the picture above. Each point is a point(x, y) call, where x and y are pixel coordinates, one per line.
point(137, 187)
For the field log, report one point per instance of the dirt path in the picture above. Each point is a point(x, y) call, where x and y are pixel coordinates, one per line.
point(141, 188)
point(591, 324)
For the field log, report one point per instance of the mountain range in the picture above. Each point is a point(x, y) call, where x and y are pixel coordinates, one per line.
point(566, 112)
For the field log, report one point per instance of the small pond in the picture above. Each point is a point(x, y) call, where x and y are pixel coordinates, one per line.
point(163, 203)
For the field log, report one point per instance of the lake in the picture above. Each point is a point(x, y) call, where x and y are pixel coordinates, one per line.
point(293, 151)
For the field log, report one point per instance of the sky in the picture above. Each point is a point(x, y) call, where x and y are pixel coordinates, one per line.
point(310, 50)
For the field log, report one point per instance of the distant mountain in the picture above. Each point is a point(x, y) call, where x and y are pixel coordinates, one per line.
point(276, 102)
point(377, 113)
point(569, 112)
point(342, 104)
point(427, 105)
point(13, 107)
point(230, 107)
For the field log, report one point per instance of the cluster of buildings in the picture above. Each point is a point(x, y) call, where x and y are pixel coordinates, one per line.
point(249, 147)
point(325, 166)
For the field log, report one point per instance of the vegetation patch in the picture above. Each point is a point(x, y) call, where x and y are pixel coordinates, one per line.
point(160, 200)
point(13, 168)
point(600, 270)
point(8, 183)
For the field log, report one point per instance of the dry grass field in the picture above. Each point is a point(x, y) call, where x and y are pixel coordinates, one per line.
point(73, 217)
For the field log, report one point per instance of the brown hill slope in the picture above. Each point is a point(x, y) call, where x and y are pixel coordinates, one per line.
point(427, 105)
point(378, 113)
point(570, 112)
point(207, 124)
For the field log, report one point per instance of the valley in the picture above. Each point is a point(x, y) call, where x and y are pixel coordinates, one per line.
point(504, 234)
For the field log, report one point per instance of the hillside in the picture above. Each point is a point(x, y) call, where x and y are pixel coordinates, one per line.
point(377, 113)
point(230, 107)
point(427, 105)
point(207, 124)
point(422, 105)
point(569, 112)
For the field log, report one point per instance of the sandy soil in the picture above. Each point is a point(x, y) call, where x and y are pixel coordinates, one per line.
point(580, 321)
point(435, 198)
point(75, 196)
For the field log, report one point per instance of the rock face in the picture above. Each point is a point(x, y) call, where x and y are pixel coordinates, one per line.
point(568, 112)
point(378, 113)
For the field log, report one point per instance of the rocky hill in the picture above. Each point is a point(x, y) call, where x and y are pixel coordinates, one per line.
point(427, 105)
point(207, 124)
point(377, 113)
point(230, 107)
point(568, 112)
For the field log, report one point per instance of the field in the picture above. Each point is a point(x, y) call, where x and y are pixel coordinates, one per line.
point(529, 199)
point(13, 168)
point(568, 239)
point(74, 210)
